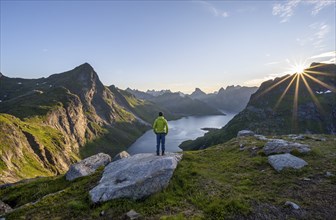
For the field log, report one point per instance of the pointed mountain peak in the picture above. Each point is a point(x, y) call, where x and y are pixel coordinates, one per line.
point(198, 91)
point(85, 67)
point(221, 90)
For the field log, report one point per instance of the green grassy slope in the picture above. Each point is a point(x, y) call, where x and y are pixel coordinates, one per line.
point(220, 182)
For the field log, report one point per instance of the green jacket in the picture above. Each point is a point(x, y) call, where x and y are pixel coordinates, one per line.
point(160, 125)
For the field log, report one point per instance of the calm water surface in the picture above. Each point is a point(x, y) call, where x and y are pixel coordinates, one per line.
point(187, 128)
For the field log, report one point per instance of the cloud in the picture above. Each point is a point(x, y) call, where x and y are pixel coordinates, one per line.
point(327, 57)
point(318, 33)
point(287, 9)
point(272, 63)
point(257, 82)
point(214, 10)
point(322, 55)
point(319, 5)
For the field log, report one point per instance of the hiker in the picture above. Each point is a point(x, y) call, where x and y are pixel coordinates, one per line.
point(160, 128)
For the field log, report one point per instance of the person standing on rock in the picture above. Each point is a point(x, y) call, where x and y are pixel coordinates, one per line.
point(160, 128)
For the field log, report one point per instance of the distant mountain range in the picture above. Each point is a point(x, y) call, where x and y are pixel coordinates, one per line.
point(231, 99)
point(298, 103)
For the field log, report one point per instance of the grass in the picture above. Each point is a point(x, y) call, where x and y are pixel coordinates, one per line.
point(221, 182)
point(113, 140)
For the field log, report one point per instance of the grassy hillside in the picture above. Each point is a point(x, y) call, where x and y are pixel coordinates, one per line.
point(221, 182)
point(29, 149)
point(46, 124)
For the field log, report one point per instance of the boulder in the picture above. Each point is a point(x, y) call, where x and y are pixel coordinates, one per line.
point(296, 137)
point(281, 146)
point(135, 177)
point(87, 166)
point(121, 155)
point(243, 133)
point(292, 205)
point(281, 161)
point(4, 208)
point(261, 137)
point(132, 215)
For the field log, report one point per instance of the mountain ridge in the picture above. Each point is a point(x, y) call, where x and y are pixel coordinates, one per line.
point(271, 110)
point(55, 121)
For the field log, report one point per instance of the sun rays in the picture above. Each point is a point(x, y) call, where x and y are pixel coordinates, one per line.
point(301, 80)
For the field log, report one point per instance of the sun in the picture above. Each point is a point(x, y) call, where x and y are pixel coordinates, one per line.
point(298, 68)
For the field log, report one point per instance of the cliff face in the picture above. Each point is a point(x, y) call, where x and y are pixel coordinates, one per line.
point(46, 123)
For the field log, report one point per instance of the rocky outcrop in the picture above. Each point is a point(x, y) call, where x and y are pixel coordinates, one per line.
point(135, 177)
point(281, 146)
point(281, 161)
point(4, 208)
point(244, 133)
point(121, 155)
point(87, 166)
point(132, 215)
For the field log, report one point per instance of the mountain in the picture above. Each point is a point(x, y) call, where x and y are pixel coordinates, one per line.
point(176, 103)
point(139, 94)
point(46, 124)
point(198, 94)
point(146, 110)
point(279, 108)
point(157, 93)
point(182, 105)
point(230, 99)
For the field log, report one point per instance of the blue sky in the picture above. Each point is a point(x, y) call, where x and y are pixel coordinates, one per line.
point(176, 45)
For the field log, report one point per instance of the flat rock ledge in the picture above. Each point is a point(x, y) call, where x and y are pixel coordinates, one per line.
point(87, 166)
point(275, 146)
point(135, 177)
point(281, 161)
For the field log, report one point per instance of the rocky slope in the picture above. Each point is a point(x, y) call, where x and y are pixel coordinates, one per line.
point(234, 180)
point(48, 123)
point(279, 108)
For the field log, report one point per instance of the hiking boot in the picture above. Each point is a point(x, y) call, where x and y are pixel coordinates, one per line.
point(157, 154)
point(163, 153)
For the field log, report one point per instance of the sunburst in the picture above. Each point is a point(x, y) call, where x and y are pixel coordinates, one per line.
point(300, 74)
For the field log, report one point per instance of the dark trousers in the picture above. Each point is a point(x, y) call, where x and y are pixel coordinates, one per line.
point(160, 137)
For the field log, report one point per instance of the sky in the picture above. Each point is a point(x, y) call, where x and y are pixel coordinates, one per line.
point(177, 45)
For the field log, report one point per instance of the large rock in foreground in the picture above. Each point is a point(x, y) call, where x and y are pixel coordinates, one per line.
point(281, 146)
point(87, 166)
point(135, 177)
point(281, 161)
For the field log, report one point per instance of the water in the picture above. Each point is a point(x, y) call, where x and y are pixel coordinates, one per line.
point(186, 128)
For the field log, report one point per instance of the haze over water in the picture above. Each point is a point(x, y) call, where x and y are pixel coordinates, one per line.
point(186, 128)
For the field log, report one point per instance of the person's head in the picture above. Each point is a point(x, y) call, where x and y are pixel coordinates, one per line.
point(160, 114)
